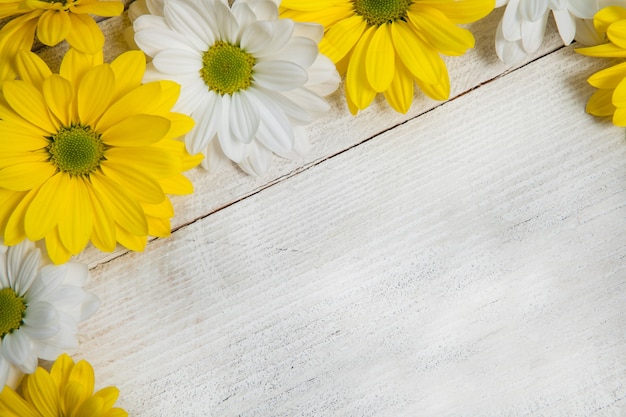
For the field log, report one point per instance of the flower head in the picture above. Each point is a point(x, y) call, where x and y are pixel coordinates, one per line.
point(67, 390)
point(610, 99)
point(53, 21)
point(384, 46)
point(40, 306)
point(249, 79)
point(523, 25)
point(88, 154)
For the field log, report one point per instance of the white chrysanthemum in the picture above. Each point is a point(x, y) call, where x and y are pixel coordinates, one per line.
point(40, 307)
point(249, 79)
point(523, 25)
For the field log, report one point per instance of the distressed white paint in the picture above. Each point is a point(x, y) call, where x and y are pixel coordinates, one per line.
point(469, 262)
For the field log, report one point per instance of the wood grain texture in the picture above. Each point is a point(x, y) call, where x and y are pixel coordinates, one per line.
point(331, 135)
point(467, 262)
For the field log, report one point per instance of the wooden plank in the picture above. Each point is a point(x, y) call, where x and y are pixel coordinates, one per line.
point(336, 132)
point(468, 262)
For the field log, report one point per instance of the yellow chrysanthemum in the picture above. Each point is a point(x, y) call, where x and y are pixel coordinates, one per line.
point(67, 391)
point(89, 154)
point(610, 99)
point(54, 21)
point(383, 46)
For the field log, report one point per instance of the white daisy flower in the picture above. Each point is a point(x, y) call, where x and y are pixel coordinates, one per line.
point(40, 307)
point(523, 25)
point(250, 80)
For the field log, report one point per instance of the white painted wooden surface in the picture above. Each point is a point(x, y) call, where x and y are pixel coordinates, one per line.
point(465, 259)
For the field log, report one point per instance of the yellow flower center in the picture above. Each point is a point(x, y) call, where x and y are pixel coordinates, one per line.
point(378, 12)
point(226, 68)
point(12, 310)
point(76, 149)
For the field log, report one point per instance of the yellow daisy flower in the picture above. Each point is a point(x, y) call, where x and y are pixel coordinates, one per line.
point(383, 46)
point(610, 99)
point(89, 154)
point(55, 21)
point(66, 391)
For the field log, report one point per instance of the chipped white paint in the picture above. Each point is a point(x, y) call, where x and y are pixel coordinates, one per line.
point(469, 262)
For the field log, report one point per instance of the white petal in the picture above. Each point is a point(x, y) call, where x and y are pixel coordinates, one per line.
point(583, 9)
point(227, 25)
point(90, 305)
point(24, 259)
point(264, 10)
point(533, 10)
point(258, 160)
point(152, 41)
point(17, 349)
point(533, 32)
point(243, 13)
point(309, 101)
point(313, 31)
point(323, 76)
point(63, 341)
point(280, 31)
point(566, 23)
point(500, 3)
point(188, 21)
point(279, 75)
point(275, 131)
point(558, 4)
point(48, 279)
point(4, 274)
point(149, 21)
point(232, 148)
point(244, 117)
point(214, 158)
point(206, 117)
point(41, 321)
point(4, 370)
point(193, 91)
point(509, 52)
point(301, 51)
point(155, 7)
point(296, 113)
point(255, 36)
point(15, 375)
point(511, 22)
point(177, 61)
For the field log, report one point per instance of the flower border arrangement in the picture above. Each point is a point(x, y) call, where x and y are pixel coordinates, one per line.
point(90, 154)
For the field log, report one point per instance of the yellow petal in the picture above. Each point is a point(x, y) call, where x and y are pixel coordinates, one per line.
point(92, 407)
point(342, 37)
point(163, 209)
point(440, 32)
point(439, 91)
point(76, 224)
point(130, 241)
point(126, 211)
point(11, 401)
point(607, 50)
point(103, 234)
point(600, 103)
point(42, 393)
point(143, 187)
point(109, 395)
point(170, 91)
point(26, 176)
point(137, 130)
point(357, 85)
point(85, 35)
point(326, 17)
point(82, 373)
point(31, 68)
point(609, 77)
point(14, 231)
point(47, 207)
point(178, 185)
point(619, 117)
point(59, 94)
point(459, 11)
point(619, 94)
point(180, 124)
point(150, 159)
point(28, 102)
point(94, 94)
point(380, 59)
point(8, 202)
point(616, 34)
point(53, 27)
point(422, 61)
point(75, 65)
point(128, 68)
point(607, 16)
point(158, 226)
point(400, 92)
point(137, 101)
point(100, 8)
point(15, 138)
point(60, 371)
point(57, 253)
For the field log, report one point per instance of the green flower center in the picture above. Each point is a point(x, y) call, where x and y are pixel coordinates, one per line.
point(12, 310)
point(76, 149)
point(379, 12)
point(226, 68)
